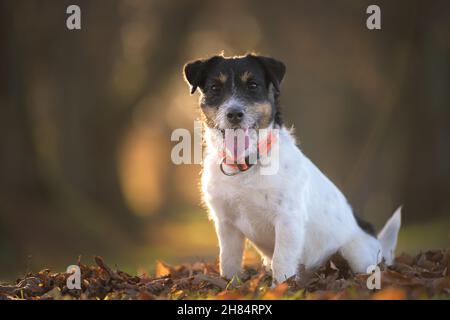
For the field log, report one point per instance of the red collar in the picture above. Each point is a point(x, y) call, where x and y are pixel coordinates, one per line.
point(232, 162)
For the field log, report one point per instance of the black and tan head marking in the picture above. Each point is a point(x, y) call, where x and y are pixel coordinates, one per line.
point(237, 92)
point(246, 76)
point(222, 78)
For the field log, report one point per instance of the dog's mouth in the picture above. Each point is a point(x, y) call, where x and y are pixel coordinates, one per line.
point(233, 129)
point(236, 141)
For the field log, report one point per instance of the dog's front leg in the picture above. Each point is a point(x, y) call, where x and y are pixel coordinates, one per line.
point(289, 237)
point(231, 242)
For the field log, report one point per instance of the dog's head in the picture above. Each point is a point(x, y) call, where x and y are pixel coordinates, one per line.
point(239, 92)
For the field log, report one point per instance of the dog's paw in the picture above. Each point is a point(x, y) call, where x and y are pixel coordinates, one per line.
point(267, 264)
point(233, 275)
point(291, 281)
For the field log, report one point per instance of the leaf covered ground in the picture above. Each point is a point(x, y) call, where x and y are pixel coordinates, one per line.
point(424, 276)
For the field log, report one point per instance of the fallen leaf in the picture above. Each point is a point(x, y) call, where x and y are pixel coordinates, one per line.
point(390, 293)
point(216, 281)
point(277, 292)
point(162, 269)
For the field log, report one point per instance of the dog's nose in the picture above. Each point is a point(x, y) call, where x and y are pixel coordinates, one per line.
point(235, 115)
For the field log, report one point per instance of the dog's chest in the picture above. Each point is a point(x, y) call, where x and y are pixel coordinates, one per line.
point(253, 212)
point(253, 202)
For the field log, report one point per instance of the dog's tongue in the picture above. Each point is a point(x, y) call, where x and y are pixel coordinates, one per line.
point(237, 143)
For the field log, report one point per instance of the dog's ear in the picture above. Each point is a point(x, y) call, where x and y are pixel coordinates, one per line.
point(274, 69)
point(195, 72)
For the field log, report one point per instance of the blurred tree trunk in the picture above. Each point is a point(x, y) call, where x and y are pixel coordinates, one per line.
point(60, 123)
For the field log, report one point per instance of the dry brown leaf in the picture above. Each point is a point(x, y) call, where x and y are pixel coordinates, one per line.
point(277, 292)
point(229, 295)
point(143, 295)
point(441, 284)
point(162, 269)
point(390, 293)
point(216, 281)
point(422, 276)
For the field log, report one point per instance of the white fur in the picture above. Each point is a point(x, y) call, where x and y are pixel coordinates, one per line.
point(297, 216)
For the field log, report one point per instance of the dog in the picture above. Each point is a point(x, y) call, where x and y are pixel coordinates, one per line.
point(295, 216)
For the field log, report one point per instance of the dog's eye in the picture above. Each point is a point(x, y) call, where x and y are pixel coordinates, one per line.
point(215, 88)
point(252, 85)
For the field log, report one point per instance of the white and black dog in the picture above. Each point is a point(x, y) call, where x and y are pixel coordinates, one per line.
point(296, 216)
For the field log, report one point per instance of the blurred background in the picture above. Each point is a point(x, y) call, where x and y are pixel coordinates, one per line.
point(86, 118)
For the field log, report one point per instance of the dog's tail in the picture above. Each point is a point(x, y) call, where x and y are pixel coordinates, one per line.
point(388, 236)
